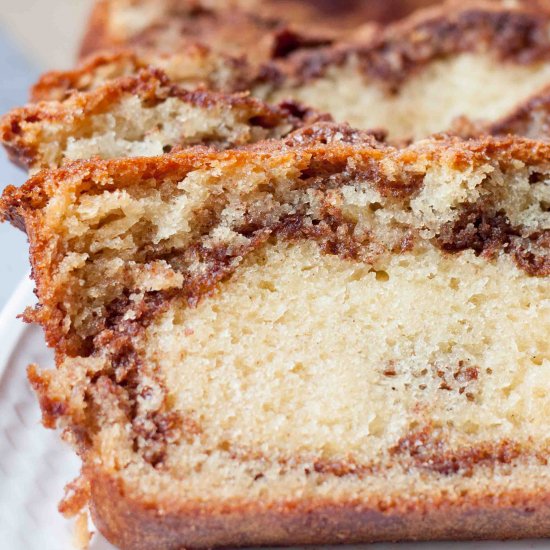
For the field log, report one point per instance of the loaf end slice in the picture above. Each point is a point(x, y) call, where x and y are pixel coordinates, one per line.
point(317, 340)
point(145, 114)
point(257, 28)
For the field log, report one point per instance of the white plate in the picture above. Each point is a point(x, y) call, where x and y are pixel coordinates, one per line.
point(35, 464)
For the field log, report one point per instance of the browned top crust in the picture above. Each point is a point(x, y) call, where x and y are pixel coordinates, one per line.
point(132, 524)
point(194, 66)
point(329, 142)
point(24, 130)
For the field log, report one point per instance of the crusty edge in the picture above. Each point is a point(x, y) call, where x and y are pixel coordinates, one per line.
point(131, 523)
point(57, 85)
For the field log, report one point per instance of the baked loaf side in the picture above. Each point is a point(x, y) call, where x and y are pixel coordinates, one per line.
point(142, 115)
point(475, 59)
point(311, 341)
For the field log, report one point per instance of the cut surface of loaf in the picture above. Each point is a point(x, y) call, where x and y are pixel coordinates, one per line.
point(317, 340)
point(531, 118)
point(474, 59)
point(193, 67)
point(255, 28)
point(169, 25)
point(141, 115)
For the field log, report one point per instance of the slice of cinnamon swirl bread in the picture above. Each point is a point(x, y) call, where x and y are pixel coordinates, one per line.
point(318, 340)
point(473, 59)
point(255, 28)
point(141, 115)
point(192, 67)
point(119, 105)
point(169, 25)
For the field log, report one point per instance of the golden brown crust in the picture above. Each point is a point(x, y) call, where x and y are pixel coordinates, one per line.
point(314, 139)
point(131, 524)
point(51, 409)
point(215, 71)
point(58, 85)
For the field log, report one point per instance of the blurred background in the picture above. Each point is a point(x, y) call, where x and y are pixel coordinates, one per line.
point(35, 36)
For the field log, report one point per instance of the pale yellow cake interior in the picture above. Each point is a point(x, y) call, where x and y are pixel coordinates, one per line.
point(129, 127)
point(306, 353)
point(299, 363)
point(303, 359)
point(472, 85)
